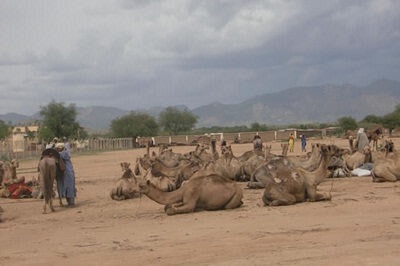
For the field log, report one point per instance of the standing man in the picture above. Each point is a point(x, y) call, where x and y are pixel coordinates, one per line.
point(362, 140)
point(291, 142)
point(67, 178)
point(303, 143)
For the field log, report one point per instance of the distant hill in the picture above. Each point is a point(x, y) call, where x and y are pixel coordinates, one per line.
point(324, 103)
point(305, 105)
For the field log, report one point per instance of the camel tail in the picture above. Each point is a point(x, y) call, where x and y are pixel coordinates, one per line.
point(47, 183)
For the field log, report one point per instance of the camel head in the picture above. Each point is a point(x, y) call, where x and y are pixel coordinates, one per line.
point(145, 187)
point(389, 146)
point(125, 166)
point(332, 150)
point(14, 163)
point(368, 154)
point(201, 147)
point(224, 149)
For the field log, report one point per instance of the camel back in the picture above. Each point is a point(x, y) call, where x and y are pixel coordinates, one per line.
point(47, 169)
point(51, 153)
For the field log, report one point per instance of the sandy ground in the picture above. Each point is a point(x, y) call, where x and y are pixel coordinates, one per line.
point(360, 226)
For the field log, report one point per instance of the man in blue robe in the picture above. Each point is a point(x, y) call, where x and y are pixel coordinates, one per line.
point(66, 179)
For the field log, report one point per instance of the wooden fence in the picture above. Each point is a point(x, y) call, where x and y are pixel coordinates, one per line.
point(30, 150)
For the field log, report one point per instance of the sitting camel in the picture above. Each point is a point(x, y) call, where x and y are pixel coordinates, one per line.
point(389, 147)
point(126, 185)
point(198, 193)
point(357, 159)
point(162, 182)
point(387, 169)
point(227, 166)
point(311, 163)
point(297, 185)
point(10, 170)
point(248, 167)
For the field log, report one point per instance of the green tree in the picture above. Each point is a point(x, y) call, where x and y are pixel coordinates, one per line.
point(133, 125)
point(4, 130)
point(45, 134)
point(59, 121)
point(392, 120)
point(347, 123)
point(30, 134)
point(175, 121)
point(373, 119)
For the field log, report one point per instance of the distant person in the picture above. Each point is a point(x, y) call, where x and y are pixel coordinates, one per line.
point(223, 143)
point(54, 143)
point(49, 144)
point(257, 142)
point(361, 140)
point(291, 142)
point(303, 143)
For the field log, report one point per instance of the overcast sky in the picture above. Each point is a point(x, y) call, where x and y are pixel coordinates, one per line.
point(136, 54)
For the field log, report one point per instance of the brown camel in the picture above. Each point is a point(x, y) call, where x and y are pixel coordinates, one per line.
point(248, 154)
point(298, 185)
point(201, 153)
point(10, 170)
point(170, 158)
point(158, 168)
point(214, 152)
point(387, 169)
point(47, 169)
point(126, 186)
point(227, 166)
point(198, 193)
point(309, 164)
point(187, 172)
point(389, 147)
point(374, 135)
point(358, 158)
point(162, 182)
point(248, 167)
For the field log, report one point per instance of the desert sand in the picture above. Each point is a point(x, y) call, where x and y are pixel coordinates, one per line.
point(359, 226)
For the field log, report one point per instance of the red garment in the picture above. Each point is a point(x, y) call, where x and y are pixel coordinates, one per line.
point(17, 190)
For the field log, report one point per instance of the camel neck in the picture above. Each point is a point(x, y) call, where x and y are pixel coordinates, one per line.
point(322, 170)
point(165, 198)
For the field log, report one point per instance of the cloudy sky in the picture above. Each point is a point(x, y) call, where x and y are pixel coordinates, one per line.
point(136, 54)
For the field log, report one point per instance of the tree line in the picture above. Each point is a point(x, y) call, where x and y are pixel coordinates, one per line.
point(59, 120)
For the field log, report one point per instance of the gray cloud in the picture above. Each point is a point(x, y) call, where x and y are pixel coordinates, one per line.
point(138, 54)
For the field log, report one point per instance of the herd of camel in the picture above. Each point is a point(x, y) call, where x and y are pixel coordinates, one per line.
point(204, 179)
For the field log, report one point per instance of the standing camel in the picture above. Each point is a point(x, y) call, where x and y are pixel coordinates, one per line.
point(47, 169)
point(374, 135)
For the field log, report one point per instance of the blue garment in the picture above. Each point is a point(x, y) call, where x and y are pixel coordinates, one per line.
point(303, 143)
point(66, 180)
point(68, 147)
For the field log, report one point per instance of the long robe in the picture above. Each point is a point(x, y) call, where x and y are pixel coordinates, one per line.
point(361, 141)
point(66, 180)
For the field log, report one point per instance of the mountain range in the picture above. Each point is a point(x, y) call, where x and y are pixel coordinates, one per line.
point(297, 105)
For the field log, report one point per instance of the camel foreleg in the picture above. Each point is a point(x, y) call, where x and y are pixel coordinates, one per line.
point(235, 201)
point(274, 196)
point(313, 195)
point(255, 185)
point(181, 207)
